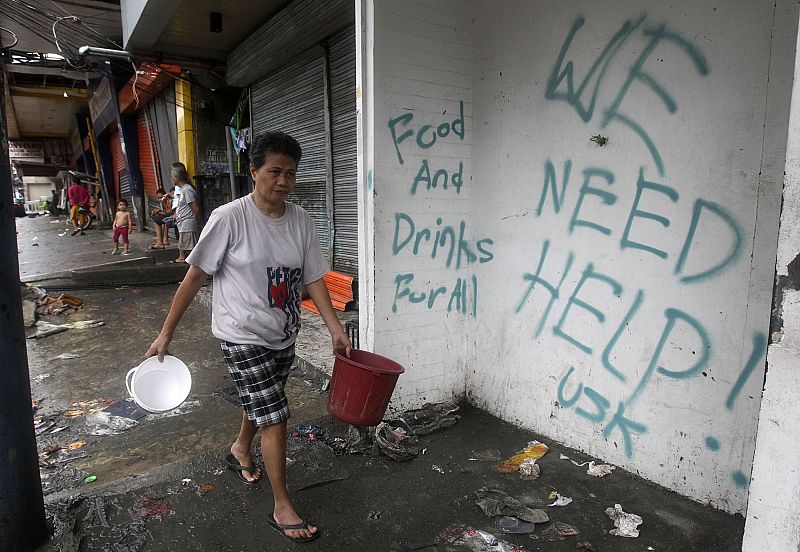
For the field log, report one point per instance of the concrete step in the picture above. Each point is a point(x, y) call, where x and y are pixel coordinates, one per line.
point(138, 270)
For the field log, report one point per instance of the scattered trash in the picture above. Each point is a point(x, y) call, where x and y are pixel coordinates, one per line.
point(311, 432)
point(185, 482)
point(68, 356)
point(625, 524)
point(206, 488)
point(96, 514)
point(374, 515)
point(533, 451)
point(64, 303)
point(423, 451)
point(126, 409)
point(83, 324)
point(437, 468)
point(45, 329)
point(395, 447)
point(430, 418)
point(76, 444)
point(558, 530)
point(184, 408)
point(472, 539)
point(103, 423)
point(495, 502)
point(529, 469)
point(325, 385)
point(561, 500)
point(586, 545)
point(81, 408)
point(90, 479)
point(509, 524)
point(41, 377)
point(600, 470)
point(155, 506)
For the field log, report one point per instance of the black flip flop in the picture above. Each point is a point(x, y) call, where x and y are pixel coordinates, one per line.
point(282, 529)
point(234, 465)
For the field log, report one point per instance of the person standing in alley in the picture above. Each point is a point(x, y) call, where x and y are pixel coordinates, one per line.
point(187, 212)
point(78, 198)
point(123, 224)
point(260, 249)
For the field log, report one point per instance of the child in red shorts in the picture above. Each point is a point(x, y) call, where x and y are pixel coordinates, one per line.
point(122, 225)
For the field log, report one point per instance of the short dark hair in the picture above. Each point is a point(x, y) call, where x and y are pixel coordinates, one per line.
point(123, 200)
point(273, 142)
point(179, 170)
point(161, 191)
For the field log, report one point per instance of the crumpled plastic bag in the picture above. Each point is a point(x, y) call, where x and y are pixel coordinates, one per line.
point(529, 469)
point(395, 446)
point(103, 423)
point(430, 418)
point(495, 502)
point(625, 524)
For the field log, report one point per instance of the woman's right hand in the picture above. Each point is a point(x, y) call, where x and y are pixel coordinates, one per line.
point(159, 347)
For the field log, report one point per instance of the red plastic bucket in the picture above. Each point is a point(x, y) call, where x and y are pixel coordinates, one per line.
point(361, 387)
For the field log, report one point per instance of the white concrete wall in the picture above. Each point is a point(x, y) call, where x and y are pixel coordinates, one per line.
point(652, 355)
point(648, 350)
point(421, 78)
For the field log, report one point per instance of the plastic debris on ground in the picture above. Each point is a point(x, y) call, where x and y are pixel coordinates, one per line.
point(309, 432)
point(625, 524)
point(155, 506)
point(185, 482)
point(53, 306)
point(76, 444)
point(437, 468)
point(186, 407)
point(596, 470)
point(529, 470)
point(512, 525)
point(430, 418)
point(41, 377)
point(126, 409)
point(90, 479)
point(472, 539)
point(103, 423)
point(82, 408)
point(356, 441)
point(585, 545)
point(560, 500)
point(68, 356)
point(600, 470)
point(401, 447)
point(557, 530)
point(495, 502)
point(533, 451)
point(45, 329)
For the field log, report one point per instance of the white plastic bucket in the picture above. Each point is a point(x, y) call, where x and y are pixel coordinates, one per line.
point(159, 386)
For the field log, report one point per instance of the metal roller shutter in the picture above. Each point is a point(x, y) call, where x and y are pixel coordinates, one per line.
point(342, 70)
point(146, 155)
point(164, 125)
point(118, 160)
point(292, 100)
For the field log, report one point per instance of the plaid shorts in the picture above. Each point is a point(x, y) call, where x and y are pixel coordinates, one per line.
point(260, 375)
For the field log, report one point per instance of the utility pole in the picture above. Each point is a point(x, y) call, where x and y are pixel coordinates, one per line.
point(22, 519)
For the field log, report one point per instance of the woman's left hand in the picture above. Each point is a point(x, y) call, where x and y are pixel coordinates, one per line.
point(341, 341)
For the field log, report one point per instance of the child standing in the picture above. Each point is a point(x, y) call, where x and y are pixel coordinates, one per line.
point(122, 225)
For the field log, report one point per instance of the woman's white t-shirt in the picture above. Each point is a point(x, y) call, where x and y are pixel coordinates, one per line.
point(258, 263)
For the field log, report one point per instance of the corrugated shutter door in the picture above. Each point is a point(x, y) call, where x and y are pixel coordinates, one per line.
point(292, 100)
point(342, 67)
point(118, 161)
point(146, 166)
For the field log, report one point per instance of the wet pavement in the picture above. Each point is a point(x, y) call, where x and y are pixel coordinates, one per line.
point(361, 502)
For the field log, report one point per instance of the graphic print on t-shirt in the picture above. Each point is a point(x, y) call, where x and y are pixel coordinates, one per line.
point(284, 294)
